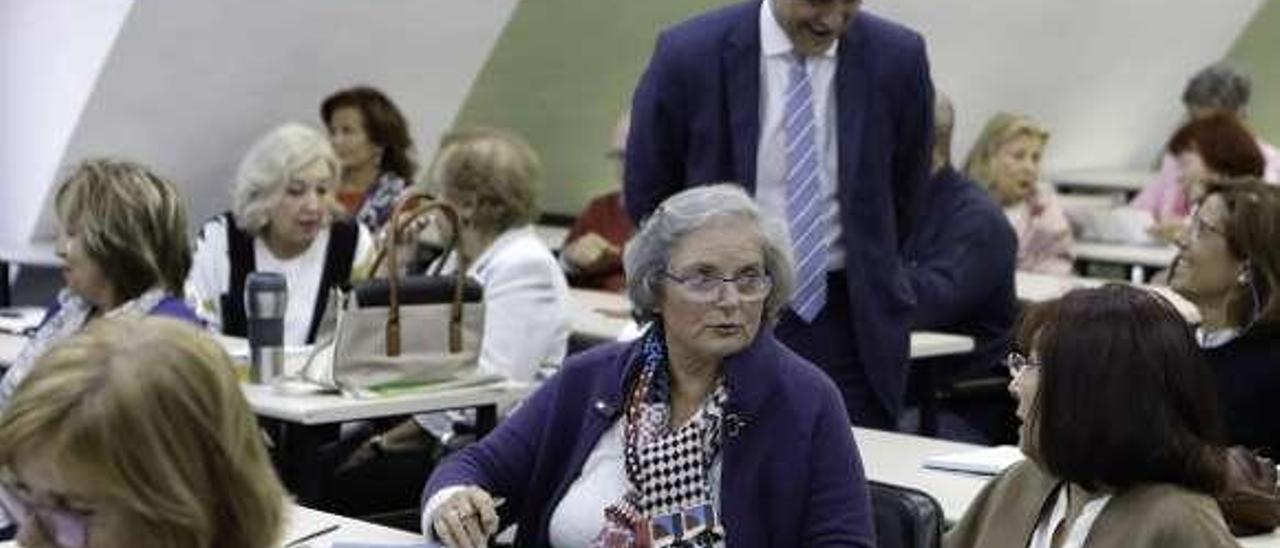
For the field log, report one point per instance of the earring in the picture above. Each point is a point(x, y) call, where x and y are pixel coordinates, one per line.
point(1243, 277)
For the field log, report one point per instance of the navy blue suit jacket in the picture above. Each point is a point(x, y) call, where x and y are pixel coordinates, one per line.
point(960, 260)
point(696, 118)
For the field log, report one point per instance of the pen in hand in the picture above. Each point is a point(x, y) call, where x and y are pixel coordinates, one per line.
point(316, 534)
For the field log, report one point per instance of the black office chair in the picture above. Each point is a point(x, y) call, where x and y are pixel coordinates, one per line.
point(905, 517)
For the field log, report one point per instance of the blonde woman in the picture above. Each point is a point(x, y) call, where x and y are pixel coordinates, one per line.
point(491, 177)
point(122, 236)
point(1006, 160)
point(135, 434)
point(284, 219)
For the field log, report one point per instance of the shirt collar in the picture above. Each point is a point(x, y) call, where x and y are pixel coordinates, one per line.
point(1216, 338)
point(774, 40)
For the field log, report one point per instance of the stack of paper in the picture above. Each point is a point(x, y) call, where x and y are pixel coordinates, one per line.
point(21, 319)
point(989, 461)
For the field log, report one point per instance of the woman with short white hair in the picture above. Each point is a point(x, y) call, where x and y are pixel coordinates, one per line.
point(706, 431)
point(284, 219)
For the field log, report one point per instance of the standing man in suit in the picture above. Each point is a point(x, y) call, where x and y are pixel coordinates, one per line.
point(824, 114)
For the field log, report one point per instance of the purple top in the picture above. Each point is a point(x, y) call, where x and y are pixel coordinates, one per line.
point(791, 476)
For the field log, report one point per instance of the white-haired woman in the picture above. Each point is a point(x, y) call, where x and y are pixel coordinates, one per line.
point(706, 431)
point(284, 219)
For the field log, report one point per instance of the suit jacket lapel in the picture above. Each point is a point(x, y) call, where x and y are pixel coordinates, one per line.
point(741, 62)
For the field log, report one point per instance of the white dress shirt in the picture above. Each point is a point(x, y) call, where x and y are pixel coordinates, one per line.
point(1079, 532)
point(776, 54)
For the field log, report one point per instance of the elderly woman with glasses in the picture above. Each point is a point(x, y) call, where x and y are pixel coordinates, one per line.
point(705, 431)
point(1120, 430)
point(1229, 268)
point(134, 433)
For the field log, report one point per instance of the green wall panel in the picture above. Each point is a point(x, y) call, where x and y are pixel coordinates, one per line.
point(1257, 51)
point(561, 74)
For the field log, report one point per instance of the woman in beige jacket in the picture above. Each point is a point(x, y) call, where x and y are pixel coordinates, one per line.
point(1118, 423)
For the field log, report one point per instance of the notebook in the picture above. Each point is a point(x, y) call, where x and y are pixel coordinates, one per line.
point(1125, 225)
point(987, 461)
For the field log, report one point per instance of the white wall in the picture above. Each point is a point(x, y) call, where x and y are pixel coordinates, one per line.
point(51, 52)
point(191, 83)
point(1105, 76)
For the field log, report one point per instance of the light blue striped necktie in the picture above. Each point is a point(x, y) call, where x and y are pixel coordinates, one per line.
point(804, 194)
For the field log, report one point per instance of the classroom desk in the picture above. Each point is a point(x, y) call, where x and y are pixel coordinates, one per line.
point(1139, 258)
point(1124, 181)
point(10, 346)
point(304, 423)
point(1034, 288)
point(552, 235)
point(602, 316)
point(29, 253)
point(598, 316)
point(303, 521)
point(898, 459)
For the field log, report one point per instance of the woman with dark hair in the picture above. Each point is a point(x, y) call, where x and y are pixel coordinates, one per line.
point(1119, 425)
point(1211, 148)
point(1229, 268)
point(372, 141)
point(1214, 91)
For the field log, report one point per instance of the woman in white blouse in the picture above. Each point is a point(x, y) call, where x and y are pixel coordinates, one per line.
point(1119, 424)
point(490, 177)
point(284, 219)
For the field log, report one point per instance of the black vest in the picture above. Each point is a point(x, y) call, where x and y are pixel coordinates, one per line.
point(343, 237)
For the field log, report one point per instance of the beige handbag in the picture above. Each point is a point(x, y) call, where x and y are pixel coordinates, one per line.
point(401, 332)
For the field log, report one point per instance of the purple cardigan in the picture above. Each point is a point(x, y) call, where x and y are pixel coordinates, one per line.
point(791, 473)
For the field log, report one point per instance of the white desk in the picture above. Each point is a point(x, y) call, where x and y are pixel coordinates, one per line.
point(553, 236)
point(1034, 288)
point(929, 344)
point(1138, 257)
point(898, 459)
point(303, 424)
point(601, 316)
point(1127, 181)
point(10, 346)
point(318, 409)
point(598, 316)
point(890, 457)
point(303, 521)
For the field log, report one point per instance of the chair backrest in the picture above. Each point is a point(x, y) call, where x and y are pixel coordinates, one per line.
point(905, 517)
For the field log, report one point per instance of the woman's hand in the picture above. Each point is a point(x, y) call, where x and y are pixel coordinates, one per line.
point(404, 437)
point(467, 519)
point(1167, 232)
point(588, 249)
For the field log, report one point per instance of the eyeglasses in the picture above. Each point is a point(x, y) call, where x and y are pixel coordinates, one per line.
point(1017, 363)
point(67, 528)
point(704, 287)
point(1199, 228)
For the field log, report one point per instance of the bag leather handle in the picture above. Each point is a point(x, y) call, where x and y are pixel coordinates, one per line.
point(408, 210)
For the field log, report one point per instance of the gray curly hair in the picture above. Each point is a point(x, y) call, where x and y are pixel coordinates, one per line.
point(1218, 86)
point(266, 169)
point(648, 253)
